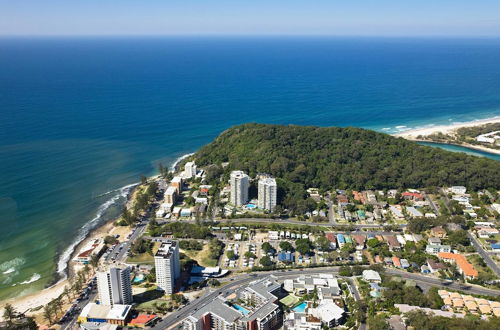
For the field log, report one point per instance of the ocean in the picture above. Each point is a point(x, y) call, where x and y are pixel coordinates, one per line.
point(82, 118)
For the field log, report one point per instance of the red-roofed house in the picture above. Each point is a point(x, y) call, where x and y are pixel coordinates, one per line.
point(464, 267)
point(396, 262)
point(414, 196)
point(333, 240)
point(360, 241)
point(359, 197)
point(342, 199)
point(142, 320)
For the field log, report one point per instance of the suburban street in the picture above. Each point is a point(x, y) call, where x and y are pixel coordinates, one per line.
point(484, 254)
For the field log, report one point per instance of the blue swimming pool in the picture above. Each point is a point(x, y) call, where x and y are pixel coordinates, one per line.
point(251, 206)
point(241, 309)
point(139, 279)
point(300, 308)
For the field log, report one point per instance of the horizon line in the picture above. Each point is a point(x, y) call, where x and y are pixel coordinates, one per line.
point(268, 35)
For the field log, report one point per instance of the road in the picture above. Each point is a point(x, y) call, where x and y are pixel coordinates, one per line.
point(120, 251)
point(298, 222)
point(245, 279)
point(431, 281)
point(71, 322)
point(484, 254)
point(357, 297)
point(434, 207)
point(120, 256)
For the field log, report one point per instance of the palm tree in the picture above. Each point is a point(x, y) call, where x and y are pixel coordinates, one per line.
point(9, 314)
point(47, 313)
point(67, 293)
point(94, 261)
point(86, 271)
point(57, 304)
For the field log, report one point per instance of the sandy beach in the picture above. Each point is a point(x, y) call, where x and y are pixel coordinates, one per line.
point(412, 134)
point(418, 134)
point(43, 297)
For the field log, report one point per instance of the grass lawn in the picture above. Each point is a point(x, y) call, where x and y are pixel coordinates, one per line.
point(201, 257)
point(146, 300)
point(483, 270)
point(144, 258)
point(492, 238)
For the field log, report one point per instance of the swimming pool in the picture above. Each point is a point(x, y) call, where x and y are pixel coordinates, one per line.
point(251, 206)
point(300, 308)
point(241, 309)
point(139, 278)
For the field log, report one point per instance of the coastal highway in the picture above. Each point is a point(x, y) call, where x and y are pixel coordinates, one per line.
point(70, 323)
point(484, 254)
point(245, 279)
point(297, 222)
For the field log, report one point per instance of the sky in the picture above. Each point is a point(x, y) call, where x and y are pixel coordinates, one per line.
point(466, 18)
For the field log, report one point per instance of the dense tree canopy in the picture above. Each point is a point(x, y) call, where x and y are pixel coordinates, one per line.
point(327, 157)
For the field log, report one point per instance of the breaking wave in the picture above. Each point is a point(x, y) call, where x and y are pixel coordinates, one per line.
point(122, 192)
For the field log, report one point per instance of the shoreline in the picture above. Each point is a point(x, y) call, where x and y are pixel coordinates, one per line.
point(42, 297)
point(45, 295)
point(417, 133)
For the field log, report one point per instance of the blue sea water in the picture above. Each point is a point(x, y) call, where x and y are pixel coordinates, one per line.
point(80, 118)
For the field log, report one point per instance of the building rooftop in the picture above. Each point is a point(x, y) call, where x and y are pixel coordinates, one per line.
point(371, 275)
point(219, 307)
point(262, 311)
point(115, 312)
point(327, 311)
point(165, 249)
point(461, 262)
point(119, 312)
point(404, 308)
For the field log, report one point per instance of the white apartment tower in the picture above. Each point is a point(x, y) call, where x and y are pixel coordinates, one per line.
point(267, 193)
point(167, 264)
point(114, 286)
point(190, 170)
point(239, 188)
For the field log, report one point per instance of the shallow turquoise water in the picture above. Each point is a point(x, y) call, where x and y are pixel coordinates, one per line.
point(468, 151)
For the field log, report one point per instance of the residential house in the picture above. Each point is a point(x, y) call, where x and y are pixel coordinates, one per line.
point(437, 248)
point(438, 231)
point(435, 266)
point(464, 267)
point(396, 262)
point(414, 196)
point(371, 276)
point(360, 241)
point(393, 243)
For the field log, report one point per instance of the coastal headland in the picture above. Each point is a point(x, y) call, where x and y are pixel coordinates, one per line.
point(32, 303)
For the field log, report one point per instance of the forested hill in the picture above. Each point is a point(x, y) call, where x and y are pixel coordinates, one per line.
point(355, 158)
